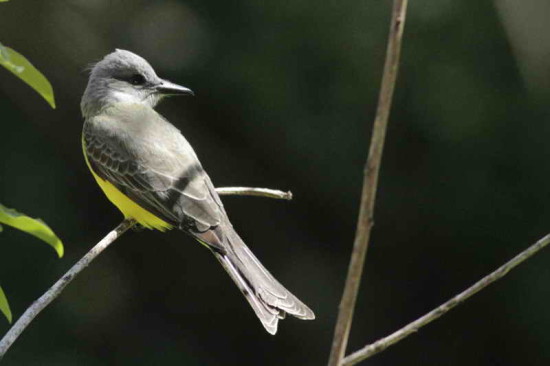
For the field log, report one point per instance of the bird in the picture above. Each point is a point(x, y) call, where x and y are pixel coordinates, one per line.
point(150, 172)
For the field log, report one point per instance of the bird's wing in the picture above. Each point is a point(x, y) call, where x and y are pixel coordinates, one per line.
point(154, 166)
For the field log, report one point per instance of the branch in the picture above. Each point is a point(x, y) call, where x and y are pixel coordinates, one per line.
point(262, 192)
point(28, 316)
point(382, 344)
point(370, 182)
point(23, 322)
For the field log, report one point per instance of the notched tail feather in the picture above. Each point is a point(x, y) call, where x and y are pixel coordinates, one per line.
point(269, 299)
point(268, 317)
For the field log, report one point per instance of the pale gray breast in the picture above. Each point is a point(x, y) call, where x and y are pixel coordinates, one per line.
point(160, 147)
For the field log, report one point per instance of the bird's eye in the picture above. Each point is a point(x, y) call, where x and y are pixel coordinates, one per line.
point(137, 79)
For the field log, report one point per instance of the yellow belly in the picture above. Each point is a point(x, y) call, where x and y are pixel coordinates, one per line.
point(129, 208)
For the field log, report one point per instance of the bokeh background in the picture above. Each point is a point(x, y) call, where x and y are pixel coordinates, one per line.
point(286, 94)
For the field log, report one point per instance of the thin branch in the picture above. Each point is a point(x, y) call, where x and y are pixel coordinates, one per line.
point(54, 291)
point(382, 344)
point(28, 316)
point(370, 182)
point(262, 192)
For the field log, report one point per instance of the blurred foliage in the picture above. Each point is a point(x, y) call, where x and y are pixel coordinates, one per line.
point(4, 306)
point(34, 227)
point(285, 97)
point(23, 69)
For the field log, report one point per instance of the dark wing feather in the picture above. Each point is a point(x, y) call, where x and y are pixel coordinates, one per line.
point(183, 200)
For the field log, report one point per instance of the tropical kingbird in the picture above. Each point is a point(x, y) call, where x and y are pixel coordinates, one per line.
point(150, 172)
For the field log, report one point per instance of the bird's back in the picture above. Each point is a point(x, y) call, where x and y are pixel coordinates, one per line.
point(148, 159)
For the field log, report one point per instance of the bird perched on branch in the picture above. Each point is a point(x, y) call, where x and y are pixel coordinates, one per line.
point(150, 172)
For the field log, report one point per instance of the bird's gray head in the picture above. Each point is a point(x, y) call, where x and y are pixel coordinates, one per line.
point(124, 77)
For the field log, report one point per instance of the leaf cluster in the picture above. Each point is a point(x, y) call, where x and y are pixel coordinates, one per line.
point(17, 64)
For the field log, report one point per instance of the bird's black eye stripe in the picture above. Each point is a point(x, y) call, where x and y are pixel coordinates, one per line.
point(137, 79)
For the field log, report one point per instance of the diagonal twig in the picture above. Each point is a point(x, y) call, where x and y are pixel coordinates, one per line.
point(54, 291)
point(262, 192)
point(383, 343)
point(370, 181)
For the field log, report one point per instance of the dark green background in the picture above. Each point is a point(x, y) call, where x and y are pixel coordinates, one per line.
point(285, 97)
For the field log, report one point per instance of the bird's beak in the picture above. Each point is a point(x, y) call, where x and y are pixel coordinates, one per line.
point(168, 88)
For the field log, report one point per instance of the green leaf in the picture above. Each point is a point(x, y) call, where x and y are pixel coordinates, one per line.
point(23, 69)
point(4, 1)
point(35, 227)
point(4, 306)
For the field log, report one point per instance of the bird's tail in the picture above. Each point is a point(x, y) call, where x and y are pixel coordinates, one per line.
point(269, 299)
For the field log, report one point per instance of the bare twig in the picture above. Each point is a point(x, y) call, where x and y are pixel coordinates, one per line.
point(23, 322)
point(263, 192)
point(382, 344)
point(58, 287)
point(372, 168)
